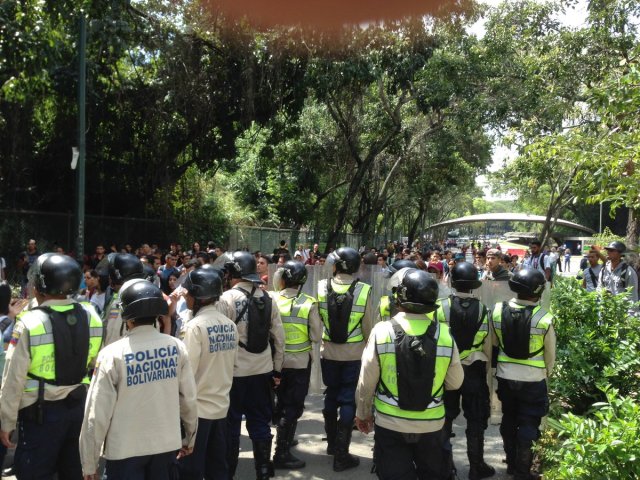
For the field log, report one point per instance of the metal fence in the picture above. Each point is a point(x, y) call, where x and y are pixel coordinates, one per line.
point(51, 230)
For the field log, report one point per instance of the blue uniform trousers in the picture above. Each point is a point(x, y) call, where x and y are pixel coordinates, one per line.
point(161, 466)
point(250, 396)
point(51, 447)
point(292, 392)
point(341, 380)
point(523, 406)
point(209, 457)
point(415, 456)
point(475, 398)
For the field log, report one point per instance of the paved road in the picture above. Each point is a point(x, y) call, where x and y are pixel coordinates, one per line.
point(319, 466)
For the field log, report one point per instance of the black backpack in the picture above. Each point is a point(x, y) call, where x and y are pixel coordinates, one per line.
point(516, 332)
point(339, 310)
point(70, 331)
point(465, 319)
point(415, 367)
point(258, 323)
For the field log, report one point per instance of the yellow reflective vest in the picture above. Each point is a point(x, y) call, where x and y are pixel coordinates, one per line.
point(360, 296)
point(540, 322)
point(42, 346)
point(294, 312)
point(481, 334)
point(386, 399)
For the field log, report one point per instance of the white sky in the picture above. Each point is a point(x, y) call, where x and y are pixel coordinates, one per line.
point(575, 17)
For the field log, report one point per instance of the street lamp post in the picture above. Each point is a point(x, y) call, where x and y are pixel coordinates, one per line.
point(80, 176)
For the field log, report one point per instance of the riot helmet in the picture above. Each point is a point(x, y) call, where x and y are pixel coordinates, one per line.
point(345, 259)
point(123, 267)
point(399, 265)
point(141, 299)
point(464, 276)
point(293, 273)
point(417, 292)
point(148, 272)
point(529, 282)
point(203, 284)
point(243, 265)
point(56, 274)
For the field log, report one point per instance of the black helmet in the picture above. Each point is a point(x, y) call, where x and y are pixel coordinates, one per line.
point(141, 299)
point(619, 246)
point(417, 292)
point(243, 265)
point(123, 267)
point(346, 260)
point(464, 276)
point(294, 273)
point(528, 281)
point(399, 265)
point(148, 272)
point(204, 284)
point(56, 274)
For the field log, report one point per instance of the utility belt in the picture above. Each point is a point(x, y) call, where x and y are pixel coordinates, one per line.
point(35, 412)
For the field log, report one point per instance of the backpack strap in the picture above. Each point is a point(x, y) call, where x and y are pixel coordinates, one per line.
point(594, 279)
point(249, 296)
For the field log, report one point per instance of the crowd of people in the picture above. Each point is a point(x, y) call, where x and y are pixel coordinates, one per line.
point(151, 360)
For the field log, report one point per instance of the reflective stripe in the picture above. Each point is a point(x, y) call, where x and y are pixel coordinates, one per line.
point(446, 309)
point(484, 327)
point(95, 332)
point(355, 333)
point(357, 309)
point(298, 346)
point(37, 340)
point(394, 403)
point(444, 352)
point(383, 348)
point(538, 331)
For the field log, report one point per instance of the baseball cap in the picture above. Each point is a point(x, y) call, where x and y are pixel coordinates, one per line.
point(436, 265)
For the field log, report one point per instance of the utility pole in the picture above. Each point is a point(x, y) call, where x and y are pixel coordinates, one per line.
point(80, 176)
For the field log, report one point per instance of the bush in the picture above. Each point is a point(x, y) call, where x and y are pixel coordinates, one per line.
point(597, 345)
point(605, 445)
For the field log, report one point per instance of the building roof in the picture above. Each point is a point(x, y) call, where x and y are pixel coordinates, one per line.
point(509, 217)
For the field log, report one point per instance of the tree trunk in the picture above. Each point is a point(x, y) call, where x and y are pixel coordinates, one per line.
point(632, 229)
point(415, 224)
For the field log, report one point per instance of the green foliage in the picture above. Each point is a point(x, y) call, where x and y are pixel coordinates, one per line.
point(597, 345)
point(606, 237)
point(602, 446)
point(593, 431)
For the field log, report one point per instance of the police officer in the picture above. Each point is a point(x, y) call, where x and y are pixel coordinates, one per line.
point(302, 329)
point(45, 378)
point(468, 320)
point(387, 304)
point(524, 333)
point(617, 275)
point(345, 308)
point(408, 363)
point(255, 312)
point(211, 341)
point(141, 393)
point(122, 267)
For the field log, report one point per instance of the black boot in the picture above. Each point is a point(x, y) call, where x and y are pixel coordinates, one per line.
point(283, 457)
point(330, 428)
point(475, 451)
point(448, 428)
point(343, 460)
point(262, 459)
point(523, 464)
point(294, 441)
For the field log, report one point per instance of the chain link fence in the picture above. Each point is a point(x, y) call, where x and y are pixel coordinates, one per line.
point(51, 230)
